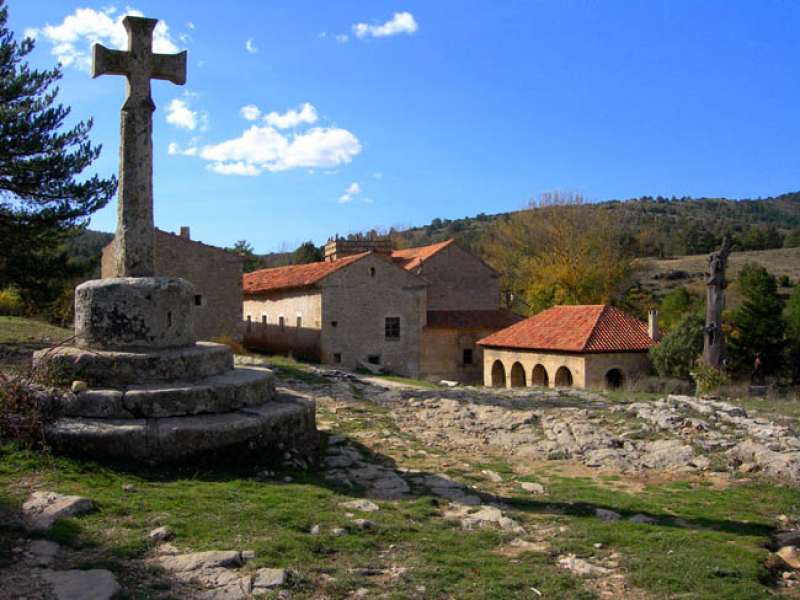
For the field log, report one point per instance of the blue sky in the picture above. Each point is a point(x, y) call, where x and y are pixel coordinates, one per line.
point(378, 114)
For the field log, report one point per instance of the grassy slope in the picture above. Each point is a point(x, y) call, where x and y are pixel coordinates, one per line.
point(784, 261)
point(18, 330)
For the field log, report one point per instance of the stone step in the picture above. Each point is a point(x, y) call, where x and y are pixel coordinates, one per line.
point(286, 422)
point(235, 389)
point(99, 368)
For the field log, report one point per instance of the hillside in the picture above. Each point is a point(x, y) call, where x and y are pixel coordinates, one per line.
point(660, 276)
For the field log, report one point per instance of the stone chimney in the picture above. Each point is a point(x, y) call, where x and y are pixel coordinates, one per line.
point(339, 248)
point(652, 324)
point(185, 232)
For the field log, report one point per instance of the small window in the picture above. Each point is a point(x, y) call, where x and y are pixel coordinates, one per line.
point(372, 271)
point(337, 357)
point(299, 320)
point(199, 300)
point(282, 322)
point(392, 328)
point(467, 356)
point(334, 323)
point(374, 359)
point(264, 319)
point(249, 322)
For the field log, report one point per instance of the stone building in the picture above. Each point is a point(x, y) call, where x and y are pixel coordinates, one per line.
point(417, 312)
point(594, 346)
point(215, 273)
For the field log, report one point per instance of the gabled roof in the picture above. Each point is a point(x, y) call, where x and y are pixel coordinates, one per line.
point(582, 328)
point(472, 319)
point(411, 258)
point(294, 276)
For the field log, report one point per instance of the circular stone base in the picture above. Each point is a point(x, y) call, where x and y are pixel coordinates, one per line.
point(134, 313)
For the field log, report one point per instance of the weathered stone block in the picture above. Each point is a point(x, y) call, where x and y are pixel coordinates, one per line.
point(134, 313)
point(115, 369)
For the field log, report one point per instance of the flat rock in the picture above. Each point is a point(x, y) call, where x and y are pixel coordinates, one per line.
point(44, 552)
point(94, 584)
point(360, 504)
point(607, 515)
point(42, 509)
point(582, 567)
point(532, 487)
point(269, 578)
point(201, 560)
point(790, 555)
point(485, 516)
point(160, 534)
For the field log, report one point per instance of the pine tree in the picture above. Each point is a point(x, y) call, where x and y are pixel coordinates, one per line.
point(42, 203)
point(758, 325)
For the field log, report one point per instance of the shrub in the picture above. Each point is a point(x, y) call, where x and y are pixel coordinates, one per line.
point(235, 346)
point(784, 281)
point(676, 353)
point(708, 379)
point(11, 303)
point(24, 410)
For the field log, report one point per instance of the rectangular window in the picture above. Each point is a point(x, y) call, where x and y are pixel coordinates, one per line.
point(392, 328)
point(299, 320)
point(334, 323)
point(249, 323)
point(337, 357)
point(198, 300)
point(374, 359)
point(281, 322)
point(467, 356)
point(264, 319)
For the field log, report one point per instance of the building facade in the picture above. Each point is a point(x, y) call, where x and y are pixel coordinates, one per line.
point(417, 312)
point(595, 347)
point(215, 273)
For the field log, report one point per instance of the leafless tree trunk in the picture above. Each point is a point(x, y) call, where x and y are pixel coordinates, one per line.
point(714, 340)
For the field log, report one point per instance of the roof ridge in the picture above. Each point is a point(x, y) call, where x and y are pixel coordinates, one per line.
point(593, 331)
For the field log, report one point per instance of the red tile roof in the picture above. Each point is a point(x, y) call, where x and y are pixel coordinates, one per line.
point(411, 258)
point(589, 328)
point(293, 276)
point(472, 319)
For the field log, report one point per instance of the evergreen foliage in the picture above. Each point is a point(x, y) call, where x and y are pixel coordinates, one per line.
point(307, 252)
point(674, 306)
point(758, 325)
point(676, 354)
point(42, 202)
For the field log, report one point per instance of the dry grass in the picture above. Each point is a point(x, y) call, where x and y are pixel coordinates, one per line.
point(784, 261)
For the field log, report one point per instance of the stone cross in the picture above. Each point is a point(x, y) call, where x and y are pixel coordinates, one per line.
point(713, 336)
point(135, 228)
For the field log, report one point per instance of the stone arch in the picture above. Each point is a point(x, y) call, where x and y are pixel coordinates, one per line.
point(517, 375)
point(615, 379)
point(563, 377)
point(539, 376)
point(498, 374)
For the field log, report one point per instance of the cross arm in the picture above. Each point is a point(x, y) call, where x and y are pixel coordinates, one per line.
point(171, 67)
point(108, 62)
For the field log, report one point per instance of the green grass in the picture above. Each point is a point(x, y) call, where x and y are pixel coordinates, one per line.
point(19, 330)
point(406, 380)
point(289, 368)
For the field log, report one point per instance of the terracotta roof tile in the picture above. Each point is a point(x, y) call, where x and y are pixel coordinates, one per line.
point(472, 319)
point(411, 258)
point(293, 276)
point(587, 328)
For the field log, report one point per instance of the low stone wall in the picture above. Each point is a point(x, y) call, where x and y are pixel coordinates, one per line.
point(302, 342)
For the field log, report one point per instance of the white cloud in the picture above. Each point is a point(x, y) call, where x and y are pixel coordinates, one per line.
point(267, 149)
point(250, 112)
point(342, 38)
point(235, 168)
point(189, 25)
point(354, 189)
point(293, 118)
point(401, 22)
point(180, 115)
point(72, 39)
point(174, 149)
point(250, 46)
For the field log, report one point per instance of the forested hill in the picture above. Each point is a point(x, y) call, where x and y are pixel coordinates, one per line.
point(658, 226)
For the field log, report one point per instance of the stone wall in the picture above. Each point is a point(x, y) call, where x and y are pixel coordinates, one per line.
point(459, 280)
point(443, 354)
point(632, 365)
point(358, 299)
point(588, 371)
point(306, 304)
point(215, 274)
point(299, 342)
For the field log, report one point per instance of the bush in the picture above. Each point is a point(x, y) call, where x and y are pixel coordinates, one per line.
point(676, 353)
point(662, 385)
point(708, 379)
point(784, 281)
point(11, 303)
point(25, 407)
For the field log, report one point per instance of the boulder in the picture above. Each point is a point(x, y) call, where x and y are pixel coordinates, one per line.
point(94, 584)
point(42, 509)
